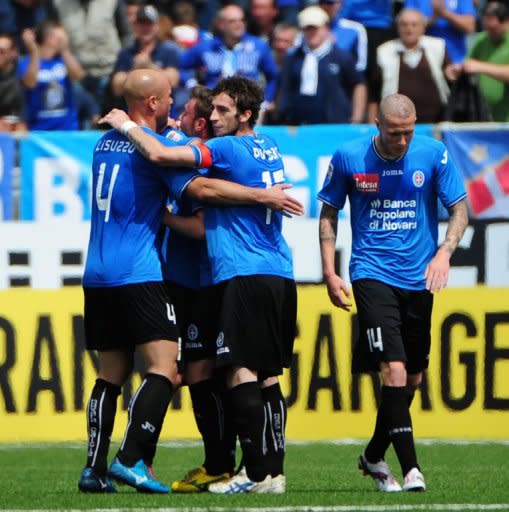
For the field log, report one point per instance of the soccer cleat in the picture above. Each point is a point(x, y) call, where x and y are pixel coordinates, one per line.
point(414, 481)
point(241, 483)
point(197, 480)
point(137, 476)
point(90, 481)
point(380, 473)
point(278, 484)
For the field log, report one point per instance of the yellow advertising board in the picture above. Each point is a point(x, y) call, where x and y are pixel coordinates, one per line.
point(46, 374)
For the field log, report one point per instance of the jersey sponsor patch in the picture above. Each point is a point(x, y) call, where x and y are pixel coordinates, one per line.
point(366, 182)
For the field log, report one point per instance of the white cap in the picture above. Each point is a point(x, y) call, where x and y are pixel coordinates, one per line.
point(313, 16)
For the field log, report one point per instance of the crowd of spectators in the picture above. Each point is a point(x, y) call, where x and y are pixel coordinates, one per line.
point(63, 62)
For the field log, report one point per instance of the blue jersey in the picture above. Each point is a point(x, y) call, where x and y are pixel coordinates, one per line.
point(50, 104)
point(185, 260)
point(351, 36)
point(371, 13)
point(129, 197)
point(246, 240)
point(249, 58)
point(393, 206)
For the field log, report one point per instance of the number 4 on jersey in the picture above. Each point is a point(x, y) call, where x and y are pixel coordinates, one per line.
point(104, 204)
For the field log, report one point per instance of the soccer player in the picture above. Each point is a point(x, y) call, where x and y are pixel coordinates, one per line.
point(252, 261)
point(197, 304)
point(127, 306)
point(393, 182)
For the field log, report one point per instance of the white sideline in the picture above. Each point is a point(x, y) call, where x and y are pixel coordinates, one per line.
point(187, 443)
point(302, 508)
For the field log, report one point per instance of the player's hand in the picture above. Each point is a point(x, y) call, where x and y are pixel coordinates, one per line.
point(115, 118)
point(339, 292)
point(277, 199)
point(437, 272)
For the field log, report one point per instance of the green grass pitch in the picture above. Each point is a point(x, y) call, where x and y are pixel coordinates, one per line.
point(460, 476)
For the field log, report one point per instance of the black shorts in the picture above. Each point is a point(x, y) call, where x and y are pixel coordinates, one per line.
point(258, 324)
point(121, 317)
point(198, 319)
point(394, 325)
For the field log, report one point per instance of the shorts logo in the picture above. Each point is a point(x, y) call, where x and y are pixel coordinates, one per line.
point(220, 339)
point(418, 179)
point(192, 332)
point(366, 182)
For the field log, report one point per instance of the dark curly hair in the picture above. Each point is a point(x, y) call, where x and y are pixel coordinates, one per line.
point(247, 94)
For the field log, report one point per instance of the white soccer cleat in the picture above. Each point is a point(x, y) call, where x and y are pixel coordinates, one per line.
point(241, 483)
point(380, 473)
point(414, 481)
point(278, 484)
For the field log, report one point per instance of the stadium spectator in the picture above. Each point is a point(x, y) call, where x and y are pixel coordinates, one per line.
point(377, 18)
point(18, 15)
point(288, 10)
point(489, 58)
point(319, 82)
point(233, 52)
point(284, 37)
point(414, 65)
point(186, 33)
point(395, 267)
point(197, 305)
point(11, 90)
point(96, 29)
point(452, 20)
point(47, 73)
point(350, 35)
point(262, 18)
point(146, 51)
point(257, 331)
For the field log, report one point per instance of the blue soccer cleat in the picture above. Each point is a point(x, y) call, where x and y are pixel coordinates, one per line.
point(90, 481)
point(137, 476)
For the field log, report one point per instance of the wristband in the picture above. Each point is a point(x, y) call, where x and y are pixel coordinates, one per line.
point(126, 126)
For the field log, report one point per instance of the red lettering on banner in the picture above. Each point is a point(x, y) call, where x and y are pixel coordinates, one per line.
point(502, 173)
point(479, 196)
point(366, 182)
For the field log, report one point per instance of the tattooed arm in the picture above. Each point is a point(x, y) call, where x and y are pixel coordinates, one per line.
point(437, 270)
point(339, 292)
point(150, 147)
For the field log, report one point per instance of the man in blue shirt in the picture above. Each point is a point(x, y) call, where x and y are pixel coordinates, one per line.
point(350, 35)
point(233, 52)
point(252, 261)
point(127, 306)
point(393, 182)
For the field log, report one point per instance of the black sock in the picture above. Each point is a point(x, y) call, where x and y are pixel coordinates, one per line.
point(208, 410)
point(230, 430)
point(275, 407)
point(381, 441)
point(101, 410)
point(249, 420)
point(396, 415)
point(145, 418)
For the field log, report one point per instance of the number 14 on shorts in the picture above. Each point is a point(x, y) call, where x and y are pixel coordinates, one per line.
point(374, 335)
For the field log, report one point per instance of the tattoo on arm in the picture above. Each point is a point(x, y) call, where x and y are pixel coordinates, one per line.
point(138, 144)
point(328, 224)
point(458, 221)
